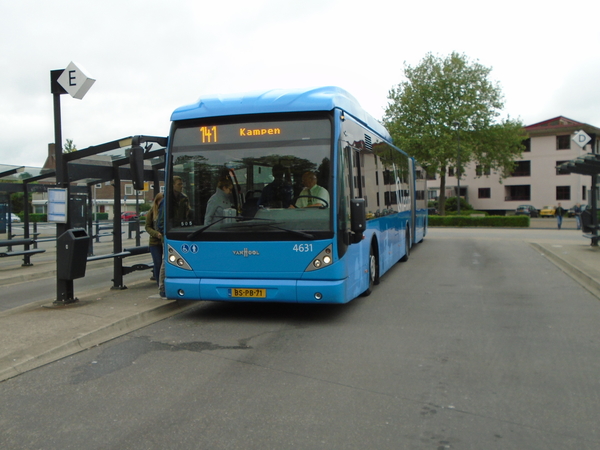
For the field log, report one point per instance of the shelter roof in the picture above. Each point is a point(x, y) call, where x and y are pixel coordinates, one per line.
point(93, 164)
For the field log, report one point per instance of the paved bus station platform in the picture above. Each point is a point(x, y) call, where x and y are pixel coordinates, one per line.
point(38, 333)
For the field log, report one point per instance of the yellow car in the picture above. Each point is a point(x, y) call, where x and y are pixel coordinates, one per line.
point(548, 211)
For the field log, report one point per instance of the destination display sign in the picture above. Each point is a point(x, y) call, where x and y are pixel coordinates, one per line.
point(249, 132)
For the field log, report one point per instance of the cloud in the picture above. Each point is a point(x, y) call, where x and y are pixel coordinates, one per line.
point(150, 57)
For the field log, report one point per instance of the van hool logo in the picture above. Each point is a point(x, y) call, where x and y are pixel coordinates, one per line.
point(245, 253)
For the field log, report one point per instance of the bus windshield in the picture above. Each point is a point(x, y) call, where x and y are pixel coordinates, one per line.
point(260, 180)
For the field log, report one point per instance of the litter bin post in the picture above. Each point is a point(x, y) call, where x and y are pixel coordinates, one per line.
point(72, 251)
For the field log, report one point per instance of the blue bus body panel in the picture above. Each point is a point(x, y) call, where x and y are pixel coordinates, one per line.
point(280, 101)
point(273, 266)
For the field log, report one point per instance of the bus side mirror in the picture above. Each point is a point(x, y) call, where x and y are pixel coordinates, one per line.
point(136, 165)
point(358, 219)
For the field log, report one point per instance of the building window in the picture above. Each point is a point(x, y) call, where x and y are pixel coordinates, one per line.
point(583, 193)
point(522, 169)
point(518, 193)
point(451, 171)
point(563, 142)
point(482, 170)
point(485, 193)
point(527, 144)
point(558, 163)
point(129, 189)
point(563, 192)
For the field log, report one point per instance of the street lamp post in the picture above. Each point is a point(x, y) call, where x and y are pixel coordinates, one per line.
point(457, 125)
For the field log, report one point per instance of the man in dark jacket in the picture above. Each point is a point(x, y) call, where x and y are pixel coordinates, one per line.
point(560, 212)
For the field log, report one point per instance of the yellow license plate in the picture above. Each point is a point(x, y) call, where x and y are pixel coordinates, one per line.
point(247, 293)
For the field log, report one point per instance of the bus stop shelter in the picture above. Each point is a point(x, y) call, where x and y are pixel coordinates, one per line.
point(588, 164)
point(83, 169)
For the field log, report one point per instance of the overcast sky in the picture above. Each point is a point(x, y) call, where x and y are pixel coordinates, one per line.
point(149, 57)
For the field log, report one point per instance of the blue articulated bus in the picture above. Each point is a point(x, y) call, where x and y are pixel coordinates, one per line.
point(286, 196)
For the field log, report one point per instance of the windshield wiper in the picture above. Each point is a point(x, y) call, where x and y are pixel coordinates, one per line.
point(200, 230)
point(299, 233)
point(272, 225)
point(242, 224)
point(221, 218)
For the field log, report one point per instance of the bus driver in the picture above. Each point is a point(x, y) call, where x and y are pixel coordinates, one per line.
point(312, 195)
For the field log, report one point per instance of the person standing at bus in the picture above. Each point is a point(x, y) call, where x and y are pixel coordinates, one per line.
point(560, 212)
point(577, 212)
point(179, 211)
point(155, 243)
point(219, 201)
point(312, 195)
point(279, 192)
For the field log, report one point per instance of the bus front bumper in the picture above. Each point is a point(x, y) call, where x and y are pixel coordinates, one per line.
point(246, 290)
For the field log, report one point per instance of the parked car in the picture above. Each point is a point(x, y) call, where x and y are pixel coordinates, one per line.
point(548, 211)
point(571, 212)
point(526, 210)
point(13, 218)
point(129, 215)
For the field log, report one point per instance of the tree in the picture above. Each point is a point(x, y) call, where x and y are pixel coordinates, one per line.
point(69, 147)
point(449, 101)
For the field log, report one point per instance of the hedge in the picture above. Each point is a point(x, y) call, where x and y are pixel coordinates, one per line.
point(489, 221)
point(34, 217)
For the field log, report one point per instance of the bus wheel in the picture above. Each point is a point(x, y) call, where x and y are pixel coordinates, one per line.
point(407, 246)
point(373, 272)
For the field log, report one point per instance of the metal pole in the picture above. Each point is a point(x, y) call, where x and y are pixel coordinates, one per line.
point(64, 288)
point(137, 219)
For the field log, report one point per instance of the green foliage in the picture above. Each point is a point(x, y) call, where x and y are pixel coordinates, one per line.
point(471, 212)
point(446, 104)
point(489, 221)
point(69, 147)
point(34, 217)
point(17, 204)
point(451, 205)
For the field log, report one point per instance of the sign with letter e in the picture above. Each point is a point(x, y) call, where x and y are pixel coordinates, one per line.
point(75, 81)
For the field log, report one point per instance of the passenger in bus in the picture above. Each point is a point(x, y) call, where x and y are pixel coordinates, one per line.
point(219, 201)
point(155, 243)
point(312, 195)
point(180, 204)
point(279, 192)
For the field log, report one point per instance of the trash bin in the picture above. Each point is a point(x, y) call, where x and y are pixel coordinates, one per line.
point(71, 254)
point(133, 228)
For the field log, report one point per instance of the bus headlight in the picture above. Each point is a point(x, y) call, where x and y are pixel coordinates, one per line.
point(322, 260)
point(176, 259)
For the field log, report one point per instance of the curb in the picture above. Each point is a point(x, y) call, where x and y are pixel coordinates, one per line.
point(38, 271)
point(586, 281)
point(92, 338)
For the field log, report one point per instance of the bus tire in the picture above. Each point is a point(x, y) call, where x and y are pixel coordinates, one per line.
point(407, 246)
point(373, 270)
